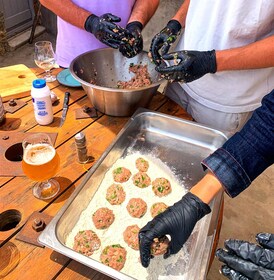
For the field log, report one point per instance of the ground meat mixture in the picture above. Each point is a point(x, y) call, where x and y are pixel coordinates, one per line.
point(114, 256)
point(86, 242)
point(141, 180)
point(140, 79)
point(121, 174)
point(141, 164)
point(115, 194)
point(103, 218)
point(159, 246)
point(157, 208)
point(131, 236)
point(136, 207)
point(161, 187)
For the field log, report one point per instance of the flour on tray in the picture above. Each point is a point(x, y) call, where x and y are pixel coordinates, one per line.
point(159, 267)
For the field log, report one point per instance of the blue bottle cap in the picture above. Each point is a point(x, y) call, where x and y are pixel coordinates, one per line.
point(39, 83)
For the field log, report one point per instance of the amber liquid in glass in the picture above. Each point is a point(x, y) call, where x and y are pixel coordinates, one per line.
point(40, 162)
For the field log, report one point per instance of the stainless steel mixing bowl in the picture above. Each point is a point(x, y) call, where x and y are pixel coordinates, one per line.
point(99, 71)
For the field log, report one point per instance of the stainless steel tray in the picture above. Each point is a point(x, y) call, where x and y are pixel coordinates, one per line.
point(181, 145)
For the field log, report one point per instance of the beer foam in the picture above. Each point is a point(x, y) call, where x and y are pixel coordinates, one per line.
point(38, 154)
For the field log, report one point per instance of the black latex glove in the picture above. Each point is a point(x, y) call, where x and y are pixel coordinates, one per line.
point(190, 65)
point(177, 221)
point(163, 40)
point(244, 260)
point(105, 29)
point(132, 44)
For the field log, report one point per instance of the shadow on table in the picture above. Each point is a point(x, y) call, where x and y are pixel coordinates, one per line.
point(67, 187)
point(10, 124)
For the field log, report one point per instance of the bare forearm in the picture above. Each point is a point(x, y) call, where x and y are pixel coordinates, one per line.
point(254, 56)
point(143, 10)
point(207, 188)
point(68, 11)
point(182, 12)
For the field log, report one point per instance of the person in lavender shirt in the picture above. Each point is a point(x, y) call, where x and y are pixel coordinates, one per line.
point(88, 25)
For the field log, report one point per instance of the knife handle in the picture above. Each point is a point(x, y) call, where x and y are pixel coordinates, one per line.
point(66, 99)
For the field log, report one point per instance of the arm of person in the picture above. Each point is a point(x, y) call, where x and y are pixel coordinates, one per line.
point(163, 40)
point(68, 11)
point(195, 64)
point(207, 188)
point(103, 27)
point(253, 56)
point(242, 158)
point(182, 13)
point(143, 10)
point(247, 153)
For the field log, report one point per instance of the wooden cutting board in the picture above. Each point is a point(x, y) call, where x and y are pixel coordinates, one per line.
point(15, 81)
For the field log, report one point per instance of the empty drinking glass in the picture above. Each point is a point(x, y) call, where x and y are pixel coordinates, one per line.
point(44, 58)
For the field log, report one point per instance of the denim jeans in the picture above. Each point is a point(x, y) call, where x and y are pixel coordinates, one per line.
point(247, 153)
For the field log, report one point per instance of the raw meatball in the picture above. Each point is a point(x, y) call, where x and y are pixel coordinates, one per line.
point(115, 194)
point(103, 218)
point(86, 242)
point(141, 180)
point(159, 246)
point(161, 187)
point(136, 207)
point(131, 236)
point(114, 256)
point(121, 174)
point(157, 208)
point(142, 164)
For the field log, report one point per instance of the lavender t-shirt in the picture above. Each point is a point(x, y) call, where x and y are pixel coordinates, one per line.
point(73, 41)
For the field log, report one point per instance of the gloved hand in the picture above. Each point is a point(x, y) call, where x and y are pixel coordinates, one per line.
point(244, 260)
point(132, 44)
point(192, 65)
point(105, 29)
point(177, 221)
point(163, 40)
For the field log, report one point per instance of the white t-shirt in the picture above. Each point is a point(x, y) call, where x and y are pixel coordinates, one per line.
point(219, 25)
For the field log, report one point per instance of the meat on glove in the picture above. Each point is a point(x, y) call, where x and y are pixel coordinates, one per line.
point(244, 260)
point(178, 221)
point(132, 43)
point(188, 65)
point(105, 29)
point(163, 40)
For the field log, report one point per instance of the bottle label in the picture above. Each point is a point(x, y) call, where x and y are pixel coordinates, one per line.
point(41, 105)
point(42, 113)
point(43, 110)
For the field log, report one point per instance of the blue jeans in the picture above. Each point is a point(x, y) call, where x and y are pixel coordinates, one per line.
point(247, 153)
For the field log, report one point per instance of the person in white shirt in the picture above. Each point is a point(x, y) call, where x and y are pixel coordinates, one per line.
point(223, 63)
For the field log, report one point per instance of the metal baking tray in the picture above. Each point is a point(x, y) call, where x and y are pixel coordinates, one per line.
point(181, 145)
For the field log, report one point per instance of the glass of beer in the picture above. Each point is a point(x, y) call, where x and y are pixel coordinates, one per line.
point(40, 163)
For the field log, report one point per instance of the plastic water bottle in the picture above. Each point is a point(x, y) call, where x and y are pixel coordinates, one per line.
point(41, 100)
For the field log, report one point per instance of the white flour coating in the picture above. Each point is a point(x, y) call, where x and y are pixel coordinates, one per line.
point(114, 234)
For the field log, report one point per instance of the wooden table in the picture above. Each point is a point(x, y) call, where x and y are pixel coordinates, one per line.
point(21, 260)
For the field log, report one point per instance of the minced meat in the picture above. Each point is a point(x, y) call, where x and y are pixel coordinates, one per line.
point(140, 79)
